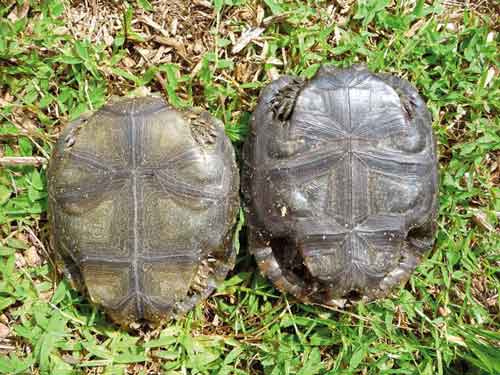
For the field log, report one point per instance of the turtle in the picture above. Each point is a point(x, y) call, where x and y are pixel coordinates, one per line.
point(143, 203)
point(340, 184)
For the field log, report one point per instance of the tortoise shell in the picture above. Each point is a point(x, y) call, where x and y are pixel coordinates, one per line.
point(142, 205)
point(340, 184)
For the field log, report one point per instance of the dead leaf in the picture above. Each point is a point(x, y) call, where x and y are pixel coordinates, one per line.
point(489, 76)
point(4, 331)
point(32, 258)
point(203, 3)
point(19, 260)
point(444, 311)
point(19, 12)
point(171, 42)
point(456, 340)
point(480, 219)
point(246, 37)
point(413, 29)
point(260, 14)
point(148, 21)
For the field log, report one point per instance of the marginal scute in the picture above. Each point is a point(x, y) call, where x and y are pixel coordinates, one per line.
point(347, 212)
point(136, 204)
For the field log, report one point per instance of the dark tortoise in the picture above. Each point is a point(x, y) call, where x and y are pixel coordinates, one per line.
point(340, 183)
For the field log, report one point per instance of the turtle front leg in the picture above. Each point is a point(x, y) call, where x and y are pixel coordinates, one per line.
point(283, 101)
point(202, 127)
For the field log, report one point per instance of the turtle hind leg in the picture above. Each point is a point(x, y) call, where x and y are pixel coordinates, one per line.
point(209, 275)
point(270, 257)
point(398, 276)
point(283, 102)
point(68, 265)
point(204, 283)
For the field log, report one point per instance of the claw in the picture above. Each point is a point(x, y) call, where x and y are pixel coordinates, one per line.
point(200, 280)
point(69, 140)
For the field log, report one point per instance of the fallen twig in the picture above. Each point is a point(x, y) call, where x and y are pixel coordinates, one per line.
point(14, 161)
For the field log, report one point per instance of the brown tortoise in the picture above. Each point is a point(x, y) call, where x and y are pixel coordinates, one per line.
point(340, 184)
point(143, 201)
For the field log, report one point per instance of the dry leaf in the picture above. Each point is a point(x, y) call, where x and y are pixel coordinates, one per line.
point(413, 29)
point(32, 258)
point(4, 331)
point(246, 38)
point(489, 76)
point(480, 219)
point(19, 12)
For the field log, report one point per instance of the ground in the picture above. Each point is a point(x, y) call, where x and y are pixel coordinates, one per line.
point(59, 59)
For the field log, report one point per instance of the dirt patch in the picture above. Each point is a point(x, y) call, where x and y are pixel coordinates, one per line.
point(174, 32)
point(181, 32)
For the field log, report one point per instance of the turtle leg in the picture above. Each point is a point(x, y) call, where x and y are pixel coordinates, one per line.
point(416, 113)
point(420, 239)
point(202, 126)
point(283, 101)
point(270, 267)
point(70, 268)
point(203, 285)
point(208, 277)
point(410, 259)
point(211, 272)
point(72, 129)
point(413, 103)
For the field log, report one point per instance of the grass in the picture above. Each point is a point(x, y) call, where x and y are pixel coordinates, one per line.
point(53, 67)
